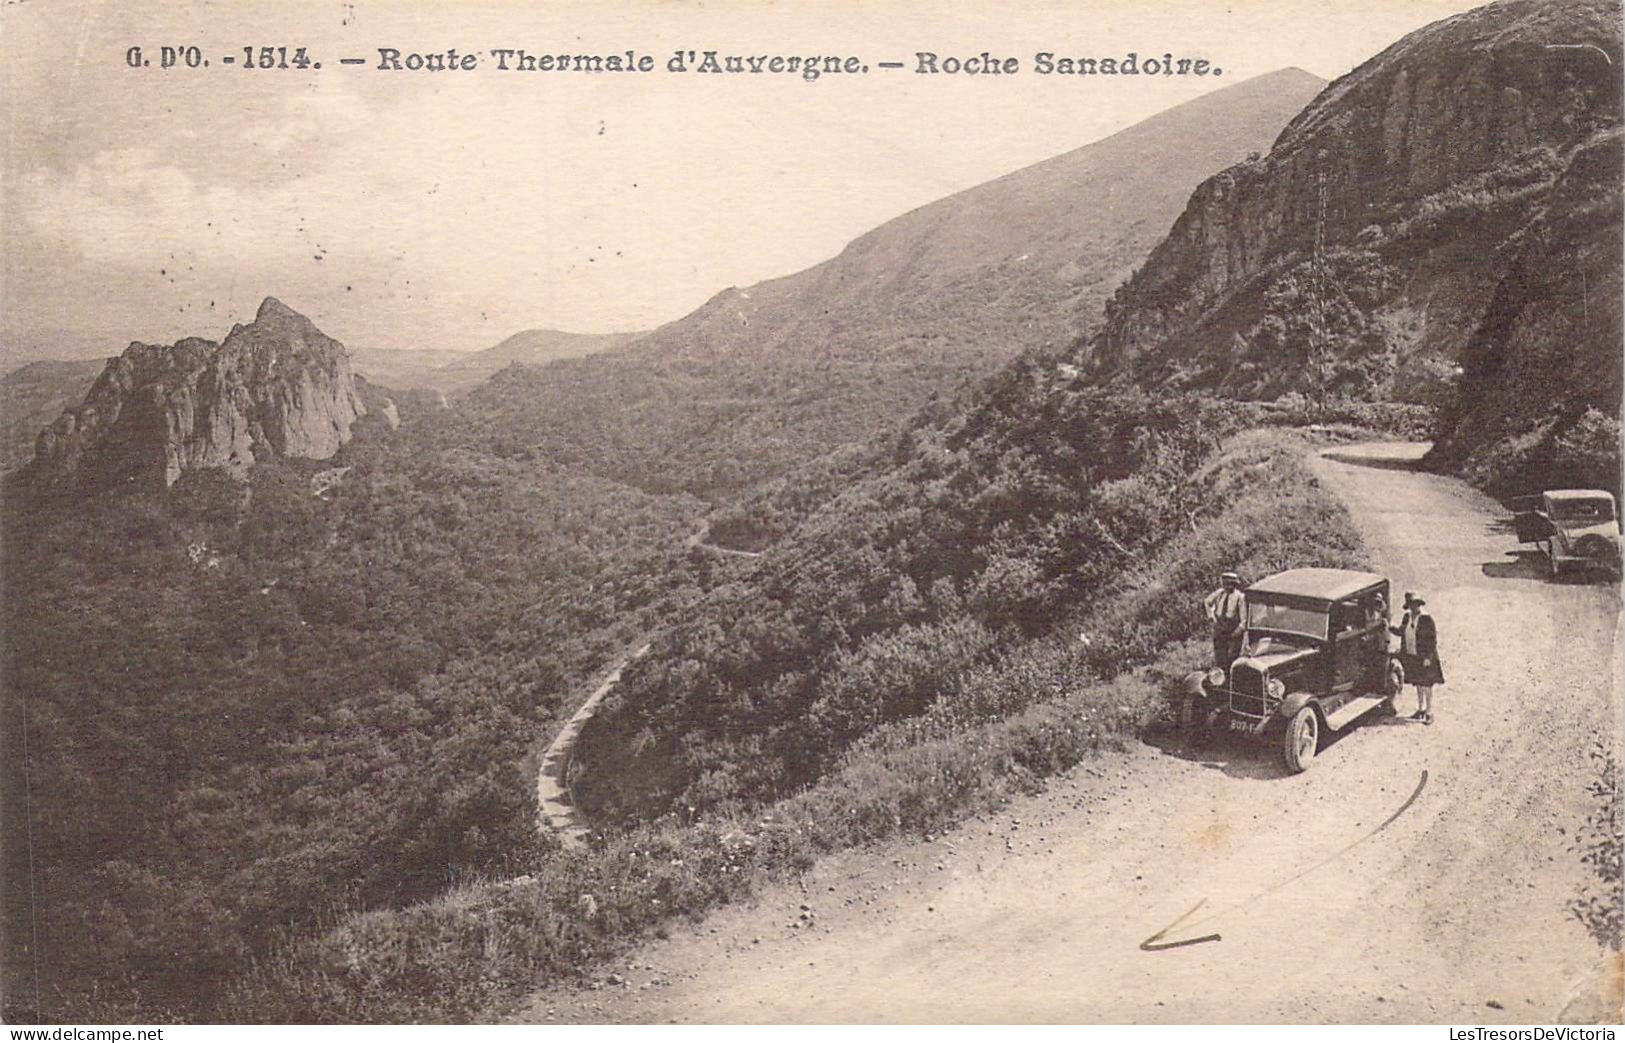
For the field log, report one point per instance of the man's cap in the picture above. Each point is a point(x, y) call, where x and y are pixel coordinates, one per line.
point(1231, 576)
point(1411, 598)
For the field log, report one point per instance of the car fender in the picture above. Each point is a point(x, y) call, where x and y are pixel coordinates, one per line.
point(1293, 702)
point(1192, 701)
point(1597, 546)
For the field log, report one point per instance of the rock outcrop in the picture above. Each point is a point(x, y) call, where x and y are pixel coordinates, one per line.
point(276, 388)
point(377, 403)
point(1425, 172)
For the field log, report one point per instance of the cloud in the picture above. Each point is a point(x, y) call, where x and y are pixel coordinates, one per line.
point(273, 195)
point(316, 118)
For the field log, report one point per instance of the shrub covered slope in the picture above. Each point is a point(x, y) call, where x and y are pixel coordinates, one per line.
point(998, 718)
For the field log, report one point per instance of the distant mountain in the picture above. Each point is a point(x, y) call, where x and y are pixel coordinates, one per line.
point(405, 368)
point(532, 348)
point(538, 347)
point(1465, 184)
point(455, 371)
point(277, 387)
point(33, 395)
point(760, 379)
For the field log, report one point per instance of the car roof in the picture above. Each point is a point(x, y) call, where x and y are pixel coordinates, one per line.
point(1329, 584)
point(1578, 494)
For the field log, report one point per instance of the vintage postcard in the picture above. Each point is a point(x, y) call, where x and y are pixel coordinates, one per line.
point(789, 512)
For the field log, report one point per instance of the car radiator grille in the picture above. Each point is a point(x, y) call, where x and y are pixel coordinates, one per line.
point(1247, 698)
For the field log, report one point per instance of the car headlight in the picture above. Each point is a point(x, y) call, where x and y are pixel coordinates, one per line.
point(1215, 676)
point(1276, 688)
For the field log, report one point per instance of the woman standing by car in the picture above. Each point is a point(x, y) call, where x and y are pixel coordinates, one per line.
point(1419, 654)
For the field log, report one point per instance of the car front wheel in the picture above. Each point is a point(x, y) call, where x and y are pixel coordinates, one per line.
point(1300, 740)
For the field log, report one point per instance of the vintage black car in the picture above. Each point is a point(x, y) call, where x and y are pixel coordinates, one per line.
point(1315, 657)
point(1577, 528)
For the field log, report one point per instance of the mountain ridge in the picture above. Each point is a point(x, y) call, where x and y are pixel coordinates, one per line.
point(901, 269)
point(764, 378)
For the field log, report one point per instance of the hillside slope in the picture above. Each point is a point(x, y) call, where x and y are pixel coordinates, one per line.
point(763, 378)
point(1035, 912)
point(33, 395)
point(321, 678)
point(1466, 184)
point(1022, 261)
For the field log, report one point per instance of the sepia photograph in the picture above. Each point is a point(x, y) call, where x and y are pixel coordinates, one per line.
point(811, 512)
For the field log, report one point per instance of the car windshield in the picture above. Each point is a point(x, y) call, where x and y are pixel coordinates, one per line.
point(1272, 644)
point(1293, 619)
point(1596, 509)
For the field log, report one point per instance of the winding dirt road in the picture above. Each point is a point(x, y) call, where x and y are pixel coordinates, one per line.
point(1455, 912)
point(554, 808)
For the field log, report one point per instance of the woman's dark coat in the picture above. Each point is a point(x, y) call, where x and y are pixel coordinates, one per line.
point(1423, 667)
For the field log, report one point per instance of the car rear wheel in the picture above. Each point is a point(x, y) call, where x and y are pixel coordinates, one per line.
point(1300, 740)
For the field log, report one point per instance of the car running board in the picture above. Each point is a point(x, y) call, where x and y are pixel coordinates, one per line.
point(1356, 706)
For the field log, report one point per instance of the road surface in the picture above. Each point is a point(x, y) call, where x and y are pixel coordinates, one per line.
point(555, 810)
point(1454, 912)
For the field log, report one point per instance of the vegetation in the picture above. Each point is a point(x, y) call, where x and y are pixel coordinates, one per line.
point(710, 430)
point(989, 521)
point(237, 696)
point(232, 692)
point(1002, 722)
point(1382, 251)
point(1600, 846)
point(1567, 449)
point(1539, 401)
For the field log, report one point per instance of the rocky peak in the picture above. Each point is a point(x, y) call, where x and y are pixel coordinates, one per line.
point(273, 311)
point(277, 387)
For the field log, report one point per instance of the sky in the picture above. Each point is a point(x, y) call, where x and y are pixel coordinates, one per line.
point(450, 209)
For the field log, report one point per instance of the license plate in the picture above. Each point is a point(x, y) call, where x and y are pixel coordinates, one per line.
point(1241, 726)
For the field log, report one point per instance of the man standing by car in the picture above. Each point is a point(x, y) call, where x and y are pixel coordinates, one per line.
point(1225, 607)
point(1419, 654)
